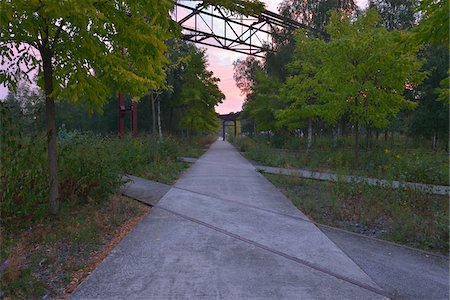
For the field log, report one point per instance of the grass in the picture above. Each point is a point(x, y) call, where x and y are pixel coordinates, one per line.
point(392, 163)
point(405, 216)
point(42, 259)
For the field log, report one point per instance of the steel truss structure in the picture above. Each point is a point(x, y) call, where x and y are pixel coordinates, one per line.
point(217, 27)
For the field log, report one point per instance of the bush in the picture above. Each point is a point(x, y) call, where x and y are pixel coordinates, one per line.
point(90, 168)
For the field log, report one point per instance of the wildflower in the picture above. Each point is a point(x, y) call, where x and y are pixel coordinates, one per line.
point(386, 151)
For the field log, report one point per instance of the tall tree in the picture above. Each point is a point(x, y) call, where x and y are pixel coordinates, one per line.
point(263, 101)
point(396, 14)
point(301, 101)
point(434, 29)
point(365, 72)
point(82, 48)
point(245, 73)
point(199, 95)
point(315, 13)
point(430, 119)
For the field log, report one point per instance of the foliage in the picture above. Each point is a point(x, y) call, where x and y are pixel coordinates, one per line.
point(315, 13)
point(301, 90)
point(412, 218)
point(413, 165)
point(245, 73)
point(396, 14)
point(434, 26)
point(85, 48)
point(367, 87)
point(87, 37)
point(431, 118)
point(199, 95)
point(246, 7)
point(90, 168)
point(262, 102)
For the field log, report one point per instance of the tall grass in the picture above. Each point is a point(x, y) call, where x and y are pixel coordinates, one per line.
point(396, 163)
point(405, 216)
point(90, 166)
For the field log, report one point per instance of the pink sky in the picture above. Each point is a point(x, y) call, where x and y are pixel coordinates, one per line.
point(221, 63)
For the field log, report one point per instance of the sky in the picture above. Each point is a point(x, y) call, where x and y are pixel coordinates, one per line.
point(221, 63)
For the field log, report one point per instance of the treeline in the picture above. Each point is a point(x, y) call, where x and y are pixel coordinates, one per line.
point(184, 107)
point(376, 72)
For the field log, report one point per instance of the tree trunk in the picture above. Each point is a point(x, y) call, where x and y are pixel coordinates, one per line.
point(356, 142)
point(153, 114)
point(434, 142)
point(309, 136)
point(386, 137)
point(50, 110)
point(159, 119)
point(368, 137)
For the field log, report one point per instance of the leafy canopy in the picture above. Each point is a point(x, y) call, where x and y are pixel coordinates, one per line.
point(199, 93)
point(94, 45)
point(301, 99)
point(366, 69)
point(263, 101)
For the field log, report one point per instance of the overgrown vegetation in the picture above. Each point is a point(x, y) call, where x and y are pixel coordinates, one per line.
point(405, 216)
point(392, 162)
point(374, 74)
point(90, 166)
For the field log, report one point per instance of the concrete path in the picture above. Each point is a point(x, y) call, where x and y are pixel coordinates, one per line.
point(224, 232)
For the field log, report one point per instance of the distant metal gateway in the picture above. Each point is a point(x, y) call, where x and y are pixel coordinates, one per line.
point(217, 27)
point(231, 117)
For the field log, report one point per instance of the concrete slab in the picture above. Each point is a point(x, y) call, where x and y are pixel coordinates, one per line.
point(403, 272)
point(204, 240)
point(168, 257)
point(146, 191)
point(291, 236)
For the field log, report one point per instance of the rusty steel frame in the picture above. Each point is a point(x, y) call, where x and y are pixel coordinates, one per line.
point(217, 27)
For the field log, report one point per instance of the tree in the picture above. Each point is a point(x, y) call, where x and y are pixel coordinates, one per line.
point(434, 29)
point(315, 14)
point(430, 119)
point(396, 14)
point(365, 72)
point(434, 26)
point(199, 94)
point(81, 49)
point(301, 101)
point(263, 102)
point(245, 73)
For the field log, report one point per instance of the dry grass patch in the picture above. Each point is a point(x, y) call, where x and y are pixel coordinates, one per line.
point(52, 257)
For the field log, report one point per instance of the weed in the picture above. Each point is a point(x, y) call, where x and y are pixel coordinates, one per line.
point(405, 216)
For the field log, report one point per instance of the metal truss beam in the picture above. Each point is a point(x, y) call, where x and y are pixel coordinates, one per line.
point(217, 27)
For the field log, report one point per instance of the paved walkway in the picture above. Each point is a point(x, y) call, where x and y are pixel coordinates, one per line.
point(224, 232)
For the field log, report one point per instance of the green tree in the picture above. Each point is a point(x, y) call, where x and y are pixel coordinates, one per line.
point(262, 103)
point(245, 73)
point(301, 101)
point(82, 48)
point(430, 119)
point(434, 25)
point(434, 29)
point(316, 13)
point(396, 14)
point(365, 72)
point(199, 94)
